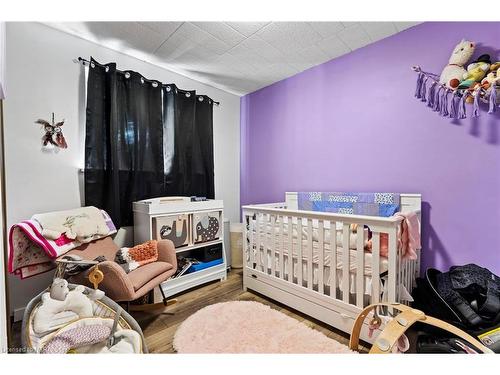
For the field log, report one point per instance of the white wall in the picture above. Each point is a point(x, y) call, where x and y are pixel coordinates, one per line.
point(44, 79)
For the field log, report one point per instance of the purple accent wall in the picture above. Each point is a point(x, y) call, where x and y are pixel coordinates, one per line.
point(352, 124)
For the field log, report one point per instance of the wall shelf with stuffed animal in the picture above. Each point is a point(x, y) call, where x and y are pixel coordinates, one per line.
point(457, 86)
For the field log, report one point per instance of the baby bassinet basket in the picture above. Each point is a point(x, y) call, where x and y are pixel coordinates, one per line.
point(103, 308)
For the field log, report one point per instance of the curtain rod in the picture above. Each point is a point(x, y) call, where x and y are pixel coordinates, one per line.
point(87, 62)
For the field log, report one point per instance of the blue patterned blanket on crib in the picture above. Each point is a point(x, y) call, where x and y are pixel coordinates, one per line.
point(372, 204)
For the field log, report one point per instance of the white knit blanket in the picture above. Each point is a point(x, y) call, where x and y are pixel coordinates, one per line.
point(81, 224)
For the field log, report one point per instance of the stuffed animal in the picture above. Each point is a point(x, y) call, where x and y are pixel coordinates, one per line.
point(75, 301)
point(475, 71)
point(59, 289)
point(495, 66)
point(489, 80)
point(453, 73)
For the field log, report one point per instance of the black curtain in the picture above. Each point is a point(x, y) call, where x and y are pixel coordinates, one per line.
point(188, 140)
point(144, 140)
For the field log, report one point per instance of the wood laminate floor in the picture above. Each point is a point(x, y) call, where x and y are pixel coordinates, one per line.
point(159, 328)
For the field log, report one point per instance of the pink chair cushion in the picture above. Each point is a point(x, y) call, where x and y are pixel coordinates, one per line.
point(148, 272)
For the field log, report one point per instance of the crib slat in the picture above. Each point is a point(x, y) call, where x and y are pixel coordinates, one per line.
point(321, 254)
point(410, 282)
point(399, 276)
point(310, 252)
point(375, 267)
point(414, 272)
point(251, 232)
point(258, 231)
point(265, 243)
point(272, 238)
point(281, 248)
point(290, 249)
point(299, 251)
point(333, 259)
point(406, 278)
point(392, 265)
point(345, 263)
point(360, 267)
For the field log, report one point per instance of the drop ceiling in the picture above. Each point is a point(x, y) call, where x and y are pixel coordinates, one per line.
point(238, 57)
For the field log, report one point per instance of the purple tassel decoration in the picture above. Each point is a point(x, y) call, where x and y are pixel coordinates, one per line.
point(420, 79)
point(475, 111)
point(454, 106)
point(462, 112)
point(493, 99)
point(438, 99)
point(430, 95)
point(423, 90)
point(444, 103)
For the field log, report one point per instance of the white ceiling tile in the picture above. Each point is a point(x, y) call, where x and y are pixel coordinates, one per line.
point(379, 30)
point(350, 24)
point(247, 28)
point(191, 32)
point(288, 35)
point(306, 58)
point(201, 37)
point(187, 37)
point(125, 35)
point(248, 55)
point(221, 31)
point(229, 61)
point(256, 45)
point(239, 57)
point(400, 26)
point(333, 47)
point(354, 36)
point(175, 46)
point(327, 29)
point(165, 29)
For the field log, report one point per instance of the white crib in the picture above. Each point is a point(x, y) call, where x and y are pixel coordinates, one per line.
point(331, 284)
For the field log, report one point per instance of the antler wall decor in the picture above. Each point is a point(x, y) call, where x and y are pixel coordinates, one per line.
point(50, 131)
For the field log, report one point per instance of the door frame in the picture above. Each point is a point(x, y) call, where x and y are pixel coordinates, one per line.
point(4, 316)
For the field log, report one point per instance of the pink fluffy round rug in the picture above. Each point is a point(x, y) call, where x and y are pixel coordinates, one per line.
point(249, 327)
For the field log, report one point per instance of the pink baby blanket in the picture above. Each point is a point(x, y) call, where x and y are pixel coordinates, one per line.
point(30, 253)
point(408, 237)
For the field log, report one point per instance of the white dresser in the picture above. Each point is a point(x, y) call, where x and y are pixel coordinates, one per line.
point(197, 230)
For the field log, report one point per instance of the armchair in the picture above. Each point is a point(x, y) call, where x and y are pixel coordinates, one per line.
point(117, 284)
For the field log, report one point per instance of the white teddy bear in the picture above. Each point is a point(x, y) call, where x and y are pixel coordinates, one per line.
point(453, 73)
point(61, 299)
